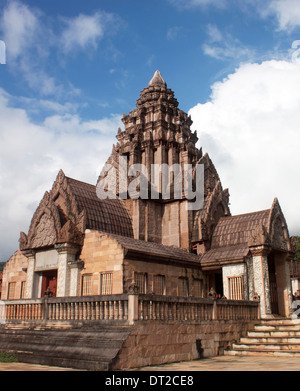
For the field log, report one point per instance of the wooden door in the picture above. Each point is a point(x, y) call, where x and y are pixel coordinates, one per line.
point(49, 281)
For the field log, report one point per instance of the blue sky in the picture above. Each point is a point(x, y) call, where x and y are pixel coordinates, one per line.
point(74, 67)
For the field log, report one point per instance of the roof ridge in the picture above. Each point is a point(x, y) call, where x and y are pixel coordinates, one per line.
point(77, 180)
point(245, 214)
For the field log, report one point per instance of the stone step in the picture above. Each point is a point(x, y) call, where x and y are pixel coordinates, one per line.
point(260, 340)
point(63, 351)
point(83, 340)
point(277, 322)
point(263, 353)
point(82, 348)
point(275, 333)
point(295, 327)
point(266, 346)
point(116, 334)
point(59, 361)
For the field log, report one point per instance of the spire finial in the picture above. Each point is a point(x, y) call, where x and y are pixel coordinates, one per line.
point(157, 79)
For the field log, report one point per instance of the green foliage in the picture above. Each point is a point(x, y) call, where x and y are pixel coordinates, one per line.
point(8, 357)
point(297, 248)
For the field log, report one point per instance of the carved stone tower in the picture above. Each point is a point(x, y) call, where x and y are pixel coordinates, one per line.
point(158, 132)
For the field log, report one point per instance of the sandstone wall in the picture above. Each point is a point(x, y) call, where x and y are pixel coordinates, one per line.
point(158, 342)
point(100, 254)
point(171, 272)
point(14, 272)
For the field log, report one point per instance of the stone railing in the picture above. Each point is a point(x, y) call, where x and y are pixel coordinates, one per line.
point(194, 309)
point(129, 307)
point(173, 308)
point(112, 307)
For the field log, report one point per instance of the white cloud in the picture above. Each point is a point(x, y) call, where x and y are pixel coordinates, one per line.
point(250, 128)
point(84, 31)
point(198, 3)
point(28, 44)
point(224, 46)
point(173, 32)
point(31, 156)
point(286, 11)
point(32, 40)
point(20, 26)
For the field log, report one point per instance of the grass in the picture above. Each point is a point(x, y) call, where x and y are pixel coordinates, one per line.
point(8, 357)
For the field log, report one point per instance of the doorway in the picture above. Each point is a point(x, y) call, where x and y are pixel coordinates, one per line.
point(273, 284)
point(215, 281)
point(49, 282)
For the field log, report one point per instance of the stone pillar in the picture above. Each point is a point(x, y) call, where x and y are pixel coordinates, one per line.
point(75, 269)
point(283, 283)
point(30, 254)
point(66, 256)
point(133, 308)
point(261, 281)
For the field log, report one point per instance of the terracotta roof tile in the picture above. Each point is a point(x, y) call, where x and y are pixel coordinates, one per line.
point(234, 230)
point(223, 254)
point(230, 238)
point(156, 249)
point(108, 215)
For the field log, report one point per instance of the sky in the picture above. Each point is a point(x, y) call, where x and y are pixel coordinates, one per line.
point(71, 68)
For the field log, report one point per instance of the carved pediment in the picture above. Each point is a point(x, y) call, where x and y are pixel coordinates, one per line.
point(259, 237)
point(215, 206)
point(45, 225)
point(70, 234)
point(278, 230)
point(56, 219)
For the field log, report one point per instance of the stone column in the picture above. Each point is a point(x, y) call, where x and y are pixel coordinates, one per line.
point(75, 268)
point(261, 279)
point(283, 283)
point(30, 254)
point(66, 256)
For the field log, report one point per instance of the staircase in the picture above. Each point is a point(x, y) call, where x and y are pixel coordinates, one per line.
point(277, 338)
point(86, 347)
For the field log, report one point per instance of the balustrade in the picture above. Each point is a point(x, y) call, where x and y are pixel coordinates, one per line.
point(143, 307)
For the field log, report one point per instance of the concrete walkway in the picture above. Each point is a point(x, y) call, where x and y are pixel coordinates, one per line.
point(221, 363)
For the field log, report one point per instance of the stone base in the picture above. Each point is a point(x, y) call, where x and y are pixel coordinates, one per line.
point(159, 342)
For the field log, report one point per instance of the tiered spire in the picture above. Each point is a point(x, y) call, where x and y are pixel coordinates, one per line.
point(157, 80)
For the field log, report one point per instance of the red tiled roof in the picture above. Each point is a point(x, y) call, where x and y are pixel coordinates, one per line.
point(230, 238)
point(155, 249)
point(108, 215)
point(222, 254)
point(233, 230)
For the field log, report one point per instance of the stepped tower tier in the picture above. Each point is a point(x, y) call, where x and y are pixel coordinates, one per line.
point(158, 133)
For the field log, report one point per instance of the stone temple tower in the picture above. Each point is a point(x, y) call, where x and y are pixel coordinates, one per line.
point(157, 132)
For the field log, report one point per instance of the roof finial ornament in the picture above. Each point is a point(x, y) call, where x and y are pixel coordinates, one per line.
point(157, 80)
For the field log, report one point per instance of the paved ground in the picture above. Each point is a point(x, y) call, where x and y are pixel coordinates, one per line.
point(231, 363)
point(222, 363)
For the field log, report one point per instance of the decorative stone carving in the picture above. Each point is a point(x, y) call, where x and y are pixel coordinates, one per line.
point(259, 237)
point(70, 234)
point(56, 219)
point(216, 203)
point(278, 228)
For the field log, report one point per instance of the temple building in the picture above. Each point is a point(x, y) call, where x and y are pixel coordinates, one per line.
point(79, 244)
